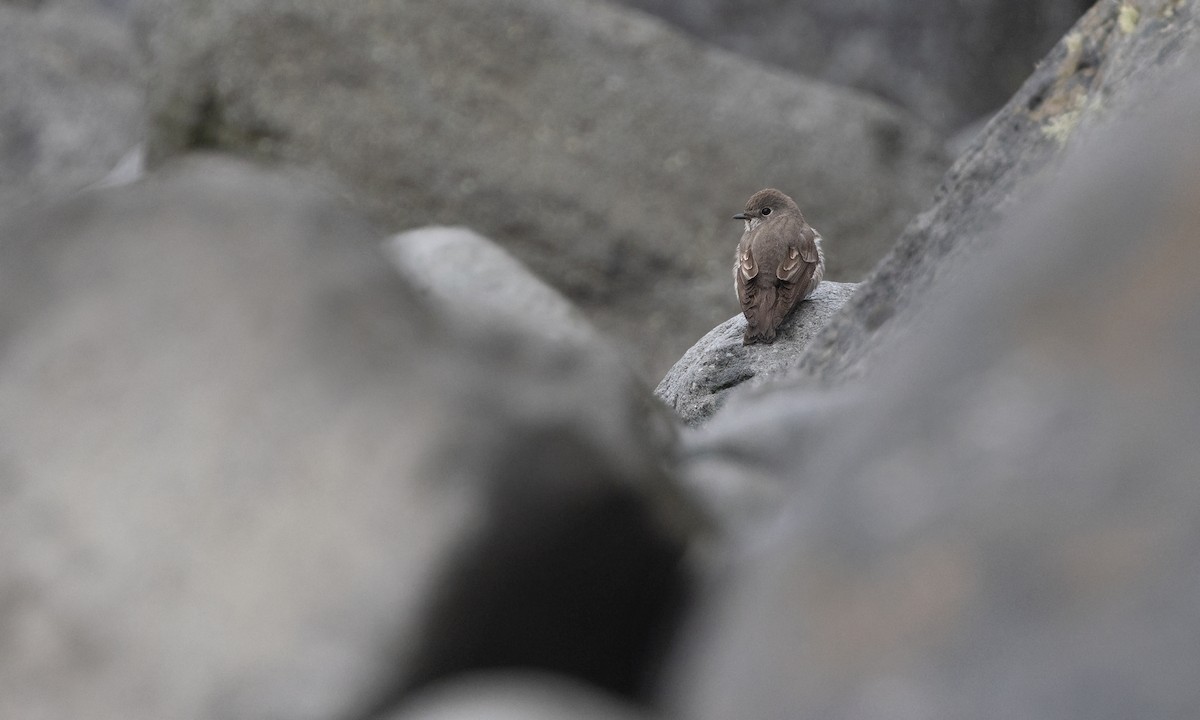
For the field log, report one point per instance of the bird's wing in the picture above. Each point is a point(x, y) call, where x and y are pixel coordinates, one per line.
point(745, 269)
point(793, 291)
point(745, 289)
point(796, 271)
point(810, 248)
point(802, 255)
point(747, 266)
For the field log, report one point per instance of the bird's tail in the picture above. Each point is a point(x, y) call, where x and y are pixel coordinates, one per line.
point(760, 316)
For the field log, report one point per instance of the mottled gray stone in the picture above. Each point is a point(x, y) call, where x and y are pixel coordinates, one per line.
point(602, 148)
point(1001, 520)
point(1095, 72)
point(697, 385)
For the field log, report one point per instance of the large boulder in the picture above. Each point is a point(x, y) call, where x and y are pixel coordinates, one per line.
point(603, 149)
point(197, 371)
point(246, 471)
point(1000, 521)
point(696, 386)
point(1092, 74)
point(70, 100)
point(948, 61)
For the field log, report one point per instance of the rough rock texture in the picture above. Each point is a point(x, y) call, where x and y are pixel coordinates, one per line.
point(70, 103)
point(949, 61)
point(1093, 73)
point(513, 696)
point(696, 386)
point(1002, 521)
point(243, 468)
point(603, 149)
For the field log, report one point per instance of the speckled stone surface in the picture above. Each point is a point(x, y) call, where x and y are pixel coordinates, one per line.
point(696, 386)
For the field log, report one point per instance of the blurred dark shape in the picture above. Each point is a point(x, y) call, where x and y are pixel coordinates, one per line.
point(572, 574)
point(578, 566)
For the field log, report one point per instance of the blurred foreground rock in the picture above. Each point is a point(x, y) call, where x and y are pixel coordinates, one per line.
point(245, 471)
point(695, 387)
point(70, 102)
point(250, 466)
point(603, 149)
point(948, 61)
point(999, 522)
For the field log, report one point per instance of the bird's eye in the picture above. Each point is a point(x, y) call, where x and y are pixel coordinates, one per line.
point(766, 211)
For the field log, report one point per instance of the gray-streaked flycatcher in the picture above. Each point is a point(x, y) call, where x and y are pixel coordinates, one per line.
point(779, 263)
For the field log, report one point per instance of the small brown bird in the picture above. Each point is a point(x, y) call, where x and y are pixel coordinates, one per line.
point(779, 263)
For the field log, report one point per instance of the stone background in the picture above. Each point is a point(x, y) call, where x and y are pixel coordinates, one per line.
point(329, 333)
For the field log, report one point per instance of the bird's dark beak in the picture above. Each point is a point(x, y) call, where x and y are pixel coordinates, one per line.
point(741, 216)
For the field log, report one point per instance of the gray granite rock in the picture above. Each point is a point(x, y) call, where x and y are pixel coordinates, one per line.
point(605, 150)
point(247, 471)
point(1095, 72)
point(1001, 521)
point(696, 386)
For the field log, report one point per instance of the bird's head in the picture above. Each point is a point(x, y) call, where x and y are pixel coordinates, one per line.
point(766, 204)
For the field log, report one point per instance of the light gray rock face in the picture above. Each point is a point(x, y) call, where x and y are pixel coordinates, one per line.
point(555, 359)
point(1001, 521)
point(600, 147)
point(948, 61)
point(210, 457)
point(697, 385)
point(245, 471)
point(1094, 73)
point(70, 101)
point(467, 276)
point(516, 696)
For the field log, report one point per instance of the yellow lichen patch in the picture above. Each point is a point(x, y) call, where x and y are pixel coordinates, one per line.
point(1169, 8)
point(1061, 105)
point(1060, 113)
point(1061, 126)
point(1074, 43)
point(1127, 17)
